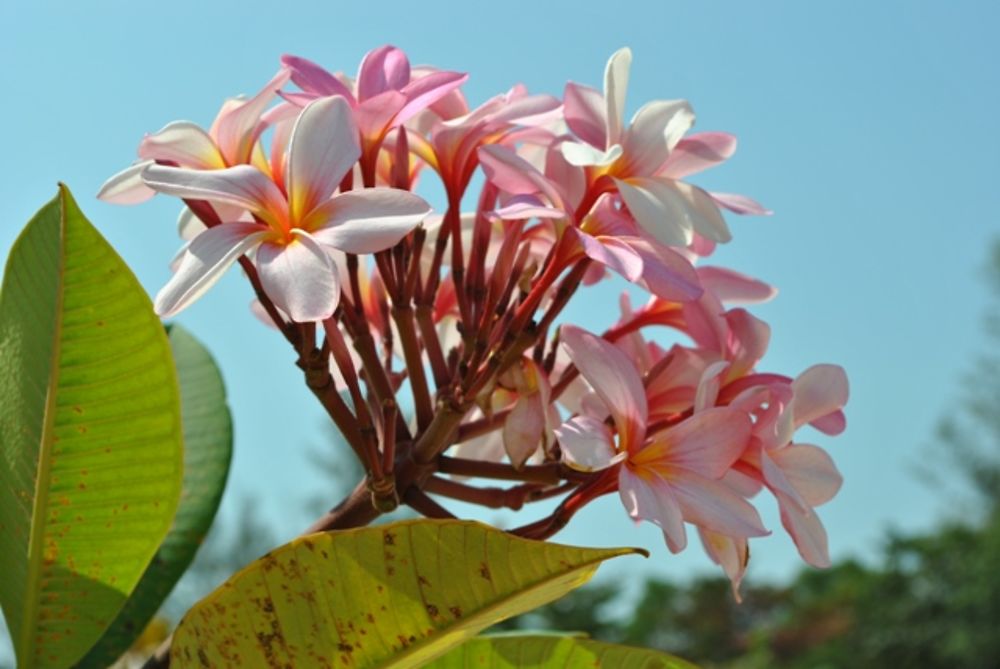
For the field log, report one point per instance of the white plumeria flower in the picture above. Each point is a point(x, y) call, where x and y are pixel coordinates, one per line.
point(292, 233)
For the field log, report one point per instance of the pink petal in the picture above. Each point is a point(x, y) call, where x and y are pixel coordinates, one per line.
point(523, 429)
point(525, 110)
point(127, 186)
point(368, 220)
point(376, 115)
point(666, 273)
point(732, 554)
point(513, 174)
point(818, 391)
point(522, 207)
point(730, 286)
point(312, 78)
point(698, 152)
point(810, 470)
point(774, 477)
point(183, 143)
point(383, 69)
point(238, 126)
point(323, 147)
point(831, 424)
point(587, 444)
point(203, 262)
point(740, 204)
point(300, 278)
point(648, 497)
point(585, 114)
point(808, 533)
point(614, 379)
point(425, 91)
point(707, 393)
point(241, 186)
point(748, 340)
point(713, 505)
point(615, 85)
point(612, 253)
point(708, 442)
point(655, 129)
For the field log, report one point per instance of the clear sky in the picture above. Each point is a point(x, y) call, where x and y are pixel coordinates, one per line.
point(869, 128)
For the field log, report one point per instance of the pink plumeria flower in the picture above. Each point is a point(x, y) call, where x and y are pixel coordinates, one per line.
point(801, 476)
point(386, 94)
point(606, 236)
point(648, 157)
point(451, 149)
point(291, 234)
point(230, 141)
point(668, 477)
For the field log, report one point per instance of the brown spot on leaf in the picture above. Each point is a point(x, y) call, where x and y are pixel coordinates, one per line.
point(389, 538)
point(484, 571)
point(456, 611)
point(432, 610)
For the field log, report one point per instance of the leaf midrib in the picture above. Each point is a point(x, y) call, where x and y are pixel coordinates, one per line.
point(41, 499)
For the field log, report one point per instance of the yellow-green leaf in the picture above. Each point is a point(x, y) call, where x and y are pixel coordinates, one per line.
point(208, 447)
point(90, 436)
point(545, 651)
point(390, 596)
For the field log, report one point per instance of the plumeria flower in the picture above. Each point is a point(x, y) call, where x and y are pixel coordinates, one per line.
point(801, 476)
point(606, 236)
point(386, 94)
point(648, 157)
point(667, 477)
point(230, 141)
point(290, 234)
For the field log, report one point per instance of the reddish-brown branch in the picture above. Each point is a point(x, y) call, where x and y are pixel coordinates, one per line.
point(423, 504)
point(547, 473)
point(429, 335)
point(403, 317)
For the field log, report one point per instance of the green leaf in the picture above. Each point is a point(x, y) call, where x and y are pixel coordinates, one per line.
point(395, 595)
point(538, 651)
point(90, 436)
point(208, 447)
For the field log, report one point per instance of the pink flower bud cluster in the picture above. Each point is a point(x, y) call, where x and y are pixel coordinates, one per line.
point(309, 185)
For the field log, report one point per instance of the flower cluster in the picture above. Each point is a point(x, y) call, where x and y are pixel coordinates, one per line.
point(309, 185)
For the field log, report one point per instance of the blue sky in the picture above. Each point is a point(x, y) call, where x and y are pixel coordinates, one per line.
point(870, 129)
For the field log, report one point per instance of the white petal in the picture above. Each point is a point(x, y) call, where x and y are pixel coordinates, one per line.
point(583, 155)
point(189, 226)
point(127, 186)
point(205, 259)
point(241, 186)
point(184, 143)
point(655, 130)
point(587, 444)
point(368, 220)
point(671, 211)
point(323, 147)
point(615, 86)
point(300, 278)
